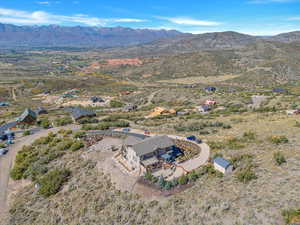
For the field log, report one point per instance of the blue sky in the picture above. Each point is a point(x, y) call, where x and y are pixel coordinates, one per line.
point(258, 17)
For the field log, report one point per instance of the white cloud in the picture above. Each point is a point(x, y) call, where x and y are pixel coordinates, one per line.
point(41, 17)
point(189, 21)
point(296, 18)
point(43, 3)
point(128, 20)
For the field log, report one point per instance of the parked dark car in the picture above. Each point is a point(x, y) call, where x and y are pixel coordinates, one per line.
point(199, 141)
point(191, 138)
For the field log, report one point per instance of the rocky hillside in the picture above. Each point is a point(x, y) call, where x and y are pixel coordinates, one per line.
point(287, 37)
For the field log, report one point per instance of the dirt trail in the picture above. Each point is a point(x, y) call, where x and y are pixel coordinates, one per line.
point(6, 163)
point(13, 92)
point(149, 99)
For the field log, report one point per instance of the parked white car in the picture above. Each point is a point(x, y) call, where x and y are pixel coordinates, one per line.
point(3, 151)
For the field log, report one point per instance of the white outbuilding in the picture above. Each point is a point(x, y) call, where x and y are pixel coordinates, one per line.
point(222, 165)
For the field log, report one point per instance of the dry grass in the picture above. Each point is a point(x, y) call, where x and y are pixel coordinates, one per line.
point(200, 79)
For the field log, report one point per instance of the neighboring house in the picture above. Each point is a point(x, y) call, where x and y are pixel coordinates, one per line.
point(293, 112)
point(95, 99)
point(222, 165)
point(5, 130)
point(68, 95)
point(203, 108)
point(78, 113)
point(210, 89)
point(183, 112)
point(161, 111)
point(27, 117)
point(210, 102)
point(189, 86)
point(280, 90)
point(129, 108)
point(145, 153)
point(40, 111)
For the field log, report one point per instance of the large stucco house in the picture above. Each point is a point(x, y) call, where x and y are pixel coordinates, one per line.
point(144, 152)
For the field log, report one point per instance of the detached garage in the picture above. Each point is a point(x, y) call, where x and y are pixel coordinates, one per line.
point(222, 165)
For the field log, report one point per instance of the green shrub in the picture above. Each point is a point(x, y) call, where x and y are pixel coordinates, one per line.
point(249, 136)
point(168, 185)
point(279, 158)
point(246, 175)
point(161, 182)
point(291, 216)
point(79, 134)
point(278, 140)
point(65, 145)
point(63, 121)
point(45, 123)
point(65, 132)
point(18, 171)
point(182, 180)
point(87, 120)
point(52, 182)
point(242, 160)
point(43, 141)
point(2, 145)
point(192, 176)
point(235, 143)
point(26, 133)
point(76, 146)
point(115, 104)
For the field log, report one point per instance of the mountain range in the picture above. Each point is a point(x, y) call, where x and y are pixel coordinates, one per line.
point(151, 40)
point(58, 36)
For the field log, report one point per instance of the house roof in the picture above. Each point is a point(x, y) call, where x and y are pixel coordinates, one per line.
point(40, 110)
point(132, 140)
point(279, 90)
point(96, 99)
point(222, 162)
point(204, 107)
point(7, 126)
point(26, 113)
point(210, 88)
point(151, 144)
point(78, 112)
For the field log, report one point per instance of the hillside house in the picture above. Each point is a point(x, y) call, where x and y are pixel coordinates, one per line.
point(158, 111)
point(293, 112)
point(129, 108)
point(78, 113)
point(27, 117)
point(5, 130)
point(41, 111)
point(95, 99)
point(144, 153)
point(280, 91)
point(210, 102)
point(222, 165)
point(203, 108)
point(210, 89)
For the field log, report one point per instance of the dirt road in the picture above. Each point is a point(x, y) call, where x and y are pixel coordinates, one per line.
point(7, 161)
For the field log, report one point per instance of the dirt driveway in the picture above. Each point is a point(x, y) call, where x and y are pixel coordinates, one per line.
point(6, 163)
